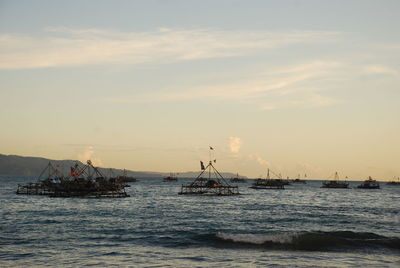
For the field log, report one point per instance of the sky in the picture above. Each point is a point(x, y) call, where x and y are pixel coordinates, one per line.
point(299, 87)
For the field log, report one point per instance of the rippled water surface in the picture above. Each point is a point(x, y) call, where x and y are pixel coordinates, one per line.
point(303, 225)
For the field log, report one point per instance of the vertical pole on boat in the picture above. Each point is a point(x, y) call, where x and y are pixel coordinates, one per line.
point(209, 163)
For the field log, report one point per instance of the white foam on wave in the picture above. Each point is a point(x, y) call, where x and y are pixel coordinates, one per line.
point(258, 238)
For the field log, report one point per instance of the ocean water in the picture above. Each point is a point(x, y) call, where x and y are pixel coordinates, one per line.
point(301, 226)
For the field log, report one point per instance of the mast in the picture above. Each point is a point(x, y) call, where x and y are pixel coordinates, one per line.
point(210, 162)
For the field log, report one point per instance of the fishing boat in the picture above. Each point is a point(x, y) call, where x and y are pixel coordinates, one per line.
point(335, 183)
point(394, 182)
point(238, 179)
point(299, 180)
point(125, 178)
point(171, 177)
point(369, 184)
point(83, 181)
point(214, 184)
point(268, 183)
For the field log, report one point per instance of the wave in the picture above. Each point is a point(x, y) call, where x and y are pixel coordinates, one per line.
point(257, 239)
point(312, 241)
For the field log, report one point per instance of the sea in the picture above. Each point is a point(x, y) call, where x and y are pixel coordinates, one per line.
point(301, 226)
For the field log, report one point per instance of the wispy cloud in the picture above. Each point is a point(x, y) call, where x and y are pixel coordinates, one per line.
point(280, 82)
point(380, 69)
point(64, 46)
point(260, 160)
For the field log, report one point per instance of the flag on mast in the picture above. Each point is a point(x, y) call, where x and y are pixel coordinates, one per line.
point(202, 165)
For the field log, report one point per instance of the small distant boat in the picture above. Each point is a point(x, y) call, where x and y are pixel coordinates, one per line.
point(394, 182)
point(369, 184)
point(125, 178)
point(238, 179)
point(268, 183)
point(285, 182)
point(335, 183)
point(171, 177)
point(299, 180)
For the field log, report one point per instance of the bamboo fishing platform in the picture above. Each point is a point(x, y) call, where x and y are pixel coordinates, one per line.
point(216, 185)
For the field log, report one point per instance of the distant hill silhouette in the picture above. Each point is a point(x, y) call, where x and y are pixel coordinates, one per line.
point(26, 166)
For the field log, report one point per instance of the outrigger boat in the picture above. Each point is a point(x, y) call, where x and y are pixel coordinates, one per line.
point(369, 184)
point(335, 183)
point(238, 179)
point(171, 177)
point(268, 183)
point(215, 184)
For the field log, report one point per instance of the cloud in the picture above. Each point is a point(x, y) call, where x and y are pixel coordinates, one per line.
point(234, 144)
point(380, 69)
point(62, 46)
point(88, 154)
point(278, 86)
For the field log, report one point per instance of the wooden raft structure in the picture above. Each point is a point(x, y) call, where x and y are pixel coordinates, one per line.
point(43, 186)
point(210, 186)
